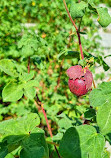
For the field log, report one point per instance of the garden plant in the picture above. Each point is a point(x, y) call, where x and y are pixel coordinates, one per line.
point(50, 106)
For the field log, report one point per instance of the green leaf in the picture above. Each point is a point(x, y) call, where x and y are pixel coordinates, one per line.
point(8, 67)
point(98, 59)
point(105, 66)
point(35, 145)
point(77, 10)
point(104, 123)
point(34, 152)
point(19, 126)
point(104, 17)
point(57, 137)
point(82, 62)
point(106, 154)
point(90, 114)
point(68, 1)
point(92, 6)
point(100, 95)
point(31, 83)
point(3, 151)
point(65, 123)
point(26, 76)
point(12, 92)
point(68, 55)
point(23, 132)
point(101, 61)
point(30, 92)
point(10, 156)
point(27, 51)
point(29, 44)
point(83, 33)
point(82, 141)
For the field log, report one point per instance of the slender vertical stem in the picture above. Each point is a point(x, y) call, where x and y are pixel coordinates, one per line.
point(44, 113)
point(48, 126)
point(77, 31)
point(70, 15)
point(94, 84)
point(28, 65)
point(40, 104)
point(80, 45)
point(57, 151)
point(79, 24)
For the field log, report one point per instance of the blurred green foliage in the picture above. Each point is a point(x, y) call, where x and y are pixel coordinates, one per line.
point(42, 31)
point(32, 28)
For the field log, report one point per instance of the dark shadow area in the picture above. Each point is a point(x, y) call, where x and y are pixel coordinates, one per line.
point(108, 137)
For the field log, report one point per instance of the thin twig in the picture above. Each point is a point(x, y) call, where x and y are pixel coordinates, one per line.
point(70, 15)
point(57, 151)
point(52, 143)
point(48, 126)
point(28, 65)
point(94, 84)
point(41, 105)
point(80, 45)
point(44, 113)
point(77, 31)
point(79, 24)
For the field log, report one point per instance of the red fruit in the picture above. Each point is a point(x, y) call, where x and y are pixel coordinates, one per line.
point(80, 80)
point(77, 86)
point(75, 72)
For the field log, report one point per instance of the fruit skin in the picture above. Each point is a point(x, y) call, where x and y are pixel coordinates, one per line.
point(77, 87)
point(80, 80)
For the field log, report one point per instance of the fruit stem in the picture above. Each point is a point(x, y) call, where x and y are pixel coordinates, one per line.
point(77, 30)
point(94, 84)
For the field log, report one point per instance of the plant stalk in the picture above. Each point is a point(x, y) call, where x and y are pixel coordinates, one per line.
point(44, 113)
point(94, 84)
point(48, 126)
point(77, 30)
point(28, 65)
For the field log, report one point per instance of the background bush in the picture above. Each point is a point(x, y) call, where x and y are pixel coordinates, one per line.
point(41, 29)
